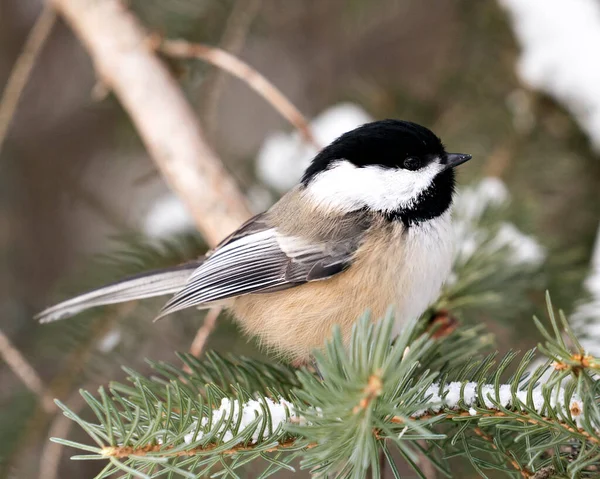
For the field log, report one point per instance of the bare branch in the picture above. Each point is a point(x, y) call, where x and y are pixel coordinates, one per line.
point(25, 372)
point(204, 331)
point(126, 63)
point(23, 67)
point(243, 71)
point(232, 41)
point(427, 468)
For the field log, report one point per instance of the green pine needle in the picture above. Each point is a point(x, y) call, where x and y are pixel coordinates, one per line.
point(369, 398)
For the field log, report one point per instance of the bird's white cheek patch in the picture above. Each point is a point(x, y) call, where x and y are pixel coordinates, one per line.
point(347, 187)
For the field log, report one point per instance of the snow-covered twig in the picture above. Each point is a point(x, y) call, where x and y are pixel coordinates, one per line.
point(252, 415)
point(233, 417)
point(458, 396)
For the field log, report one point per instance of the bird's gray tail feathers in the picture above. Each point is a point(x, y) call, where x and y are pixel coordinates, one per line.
point(145, 285)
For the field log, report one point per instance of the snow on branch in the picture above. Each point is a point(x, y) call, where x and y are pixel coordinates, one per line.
point(558, 39)
point(226, 413)
point(263, 417)
point(249, 414)
point(457, 396)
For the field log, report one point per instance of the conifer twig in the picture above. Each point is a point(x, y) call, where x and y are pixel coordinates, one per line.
point(52, 452)
point(22, 69)
point(226, 413)
point(526, 473)
point(126, 63)
point(62, 385)
point(293, 443)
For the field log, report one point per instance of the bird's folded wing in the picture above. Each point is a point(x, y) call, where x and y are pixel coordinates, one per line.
point(260, 259)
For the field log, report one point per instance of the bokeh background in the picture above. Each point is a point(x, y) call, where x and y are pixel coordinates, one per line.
point(516, 83)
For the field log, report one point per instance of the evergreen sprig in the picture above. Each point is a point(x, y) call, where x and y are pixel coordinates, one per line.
point(369, 400)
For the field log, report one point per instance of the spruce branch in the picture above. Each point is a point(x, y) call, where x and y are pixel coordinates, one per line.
point(368, 398)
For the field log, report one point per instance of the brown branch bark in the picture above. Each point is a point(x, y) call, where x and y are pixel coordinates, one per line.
point(23, 66)
point(233, 39)
point(126, 451)
point(126, 63)
point(210, 321)
point(25, 372)
point(243, 71)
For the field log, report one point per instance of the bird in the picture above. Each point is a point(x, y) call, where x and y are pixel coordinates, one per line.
point(367, 228)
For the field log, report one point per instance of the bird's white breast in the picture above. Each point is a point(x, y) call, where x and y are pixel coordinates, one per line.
point(423, 266)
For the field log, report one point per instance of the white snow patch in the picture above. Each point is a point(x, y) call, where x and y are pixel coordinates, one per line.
point(279, 412)
point(166, 217)
point(447, 397)
point(586, 318)
point(283, 157)
point(524, 248)
point(109, 341)
point(474, 200)
point(490, 400)
point(469, 207)
point(558, 39)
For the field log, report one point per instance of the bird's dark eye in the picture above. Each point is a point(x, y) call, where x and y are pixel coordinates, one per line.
point(412, 163)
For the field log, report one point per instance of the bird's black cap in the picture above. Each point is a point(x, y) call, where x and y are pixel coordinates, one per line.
point(396, 144)
point(386, 143)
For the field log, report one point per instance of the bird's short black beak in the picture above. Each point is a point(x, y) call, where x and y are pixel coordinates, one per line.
point(455, 159)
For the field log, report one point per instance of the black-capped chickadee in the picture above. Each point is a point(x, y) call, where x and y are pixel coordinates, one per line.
point(367, 228)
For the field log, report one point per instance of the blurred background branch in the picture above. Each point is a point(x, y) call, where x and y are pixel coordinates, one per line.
point(232, 41)
point(25, 372)
point(22, 68)
point(126, 63)
point(203, 333)
point(233, 65)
